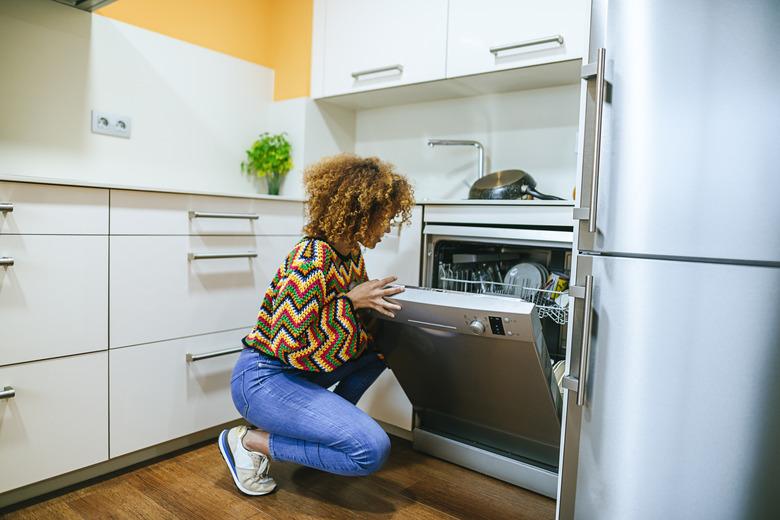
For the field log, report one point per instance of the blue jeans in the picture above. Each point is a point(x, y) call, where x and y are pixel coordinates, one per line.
point(307, 423)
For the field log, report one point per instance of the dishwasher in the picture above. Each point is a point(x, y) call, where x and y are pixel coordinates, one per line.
point(479, 349)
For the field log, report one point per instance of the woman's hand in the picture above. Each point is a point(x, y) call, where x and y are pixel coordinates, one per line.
point(372, 294)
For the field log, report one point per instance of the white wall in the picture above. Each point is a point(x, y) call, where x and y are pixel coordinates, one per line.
point(315, 131)
point(534, 130)
point(194, 111)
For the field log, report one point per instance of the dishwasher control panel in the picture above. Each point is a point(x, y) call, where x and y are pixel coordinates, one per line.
point(496, 325)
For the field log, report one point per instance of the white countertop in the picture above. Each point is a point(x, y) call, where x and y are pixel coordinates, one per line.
point(162, 189)
point(105, 185)
point(472, 202)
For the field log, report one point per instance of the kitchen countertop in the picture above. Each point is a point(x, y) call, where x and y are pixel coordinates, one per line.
point(427, 202)
point(106, 185)
point(471, 202)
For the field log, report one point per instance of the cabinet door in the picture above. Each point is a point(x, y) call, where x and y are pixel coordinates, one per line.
point(146, 213)
point(37, 209)
point(56, 421)
point(398, 253)
point(386, 401)
point(505, 34)
point(401, 41)
point(53, 296)
point(160, 292)
point(159, 394)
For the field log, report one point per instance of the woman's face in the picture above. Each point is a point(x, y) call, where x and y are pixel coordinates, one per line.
point(377, 231)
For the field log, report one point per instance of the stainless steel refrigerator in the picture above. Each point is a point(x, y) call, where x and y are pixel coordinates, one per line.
point(673, 400)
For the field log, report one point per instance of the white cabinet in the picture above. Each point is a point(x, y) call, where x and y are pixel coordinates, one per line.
point(53, 210)
point(57, 420)
point(158, 395)
point(54, 298)
point(503, 34)
point(166, 287)
point(386, 401)
point(398, 253)
point(401, 41)
point(147, 213)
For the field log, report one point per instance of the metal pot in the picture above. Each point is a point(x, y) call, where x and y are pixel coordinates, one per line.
point(507, 185)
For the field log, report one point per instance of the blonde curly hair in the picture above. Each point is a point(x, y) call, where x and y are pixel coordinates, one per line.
point(349, 196)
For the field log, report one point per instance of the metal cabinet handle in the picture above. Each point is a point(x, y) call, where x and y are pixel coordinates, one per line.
point(6, 261)
point(7, 393)
point(6, 207)
point(589, 213)
point(200, 214)
point(580, 383)
point(210, 256)
point(528, 43)
point(206, 355)
point(399, 68)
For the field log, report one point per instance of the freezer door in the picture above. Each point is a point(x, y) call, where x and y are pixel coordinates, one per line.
point(681, 416)
point(690, 141)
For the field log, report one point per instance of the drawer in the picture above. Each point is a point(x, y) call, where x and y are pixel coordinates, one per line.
point(159, 293)
point(148, 213)
point(54, 298)
point(53, 210)
point(57, 420)
point(157, 395)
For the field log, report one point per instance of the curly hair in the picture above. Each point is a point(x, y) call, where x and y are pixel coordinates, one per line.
point(349, 195)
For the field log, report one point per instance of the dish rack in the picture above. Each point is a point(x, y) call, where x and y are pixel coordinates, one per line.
point(544, 299)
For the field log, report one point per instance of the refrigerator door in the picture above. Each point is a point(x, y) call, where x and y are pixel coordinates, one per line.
point(690, 143)
point(680, 417)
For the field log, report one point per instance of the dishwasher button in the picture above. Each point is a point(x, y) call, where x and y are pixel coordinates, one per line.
point(496, 326)
point(477, 327)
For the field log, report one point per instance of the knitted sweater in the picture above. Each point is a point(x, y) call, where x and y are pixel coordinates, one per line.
point(305, 318)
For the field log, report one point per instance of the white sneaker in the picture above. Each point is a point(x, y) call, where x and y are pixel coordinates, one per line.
point(248, 468)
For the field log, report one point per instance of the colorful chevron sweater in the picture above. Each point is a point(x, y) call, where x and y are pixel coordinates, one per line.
point(305, 318)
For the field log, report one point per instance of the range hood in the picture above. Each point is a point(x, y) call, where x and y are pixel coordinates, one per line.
point(86, 5)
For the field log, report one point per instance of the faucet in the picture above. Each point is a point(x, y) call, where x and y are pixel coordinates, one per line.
point(459, 142)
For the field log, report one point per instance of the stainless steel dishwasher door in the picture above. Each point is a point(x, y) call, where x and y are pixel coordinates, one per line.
point(476, 369)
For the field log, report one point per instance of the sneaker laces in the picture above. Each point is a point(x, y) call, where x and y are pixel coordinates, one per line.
point(260, 462)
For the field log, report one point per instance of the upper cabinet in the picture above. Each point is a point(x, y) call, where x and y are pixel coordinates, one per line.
point(371, 44)
point(505, 34)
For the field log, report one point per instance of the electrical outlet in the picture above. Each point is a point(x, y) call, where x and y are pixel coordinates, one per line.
point(110, 124)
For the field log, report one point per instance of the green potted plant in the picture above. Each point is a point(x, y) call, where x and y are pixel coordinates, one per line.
point(269, 157)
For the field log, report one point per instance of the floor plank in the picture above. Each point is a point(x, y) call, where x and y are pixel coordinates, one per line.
point(196, 484)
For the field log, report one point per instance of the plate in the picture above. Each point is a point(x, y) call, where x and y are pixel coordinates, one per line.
point(523, 275)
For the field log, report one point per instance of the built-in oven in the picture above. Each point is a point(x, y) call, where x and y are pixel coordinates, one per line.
point(479, 348)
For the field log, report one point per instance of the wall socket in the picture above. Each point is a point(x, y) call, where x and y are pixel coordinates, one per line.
point(110, 124)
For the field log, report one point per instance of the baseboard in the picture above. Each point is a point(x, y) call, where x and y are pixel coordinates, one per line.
point(85, 476)
point(395, 430)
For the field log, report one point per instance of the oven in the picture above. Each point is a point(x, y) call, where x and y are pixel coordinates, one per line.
point(479, 349)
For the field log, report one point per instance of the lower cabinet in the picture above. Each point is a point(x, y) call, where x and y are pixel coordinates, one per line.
point(56, 420)
point(53, 296)
point(386, 401)
point(398, 254)
point(158, 394)
point(166, 287)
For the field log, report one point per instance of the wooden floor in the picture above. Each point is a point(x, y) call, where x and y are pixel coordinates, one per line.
point(196, 484)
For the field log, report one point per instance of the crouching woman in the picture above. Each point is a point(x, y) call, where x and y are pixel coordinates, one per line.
point(311, 333)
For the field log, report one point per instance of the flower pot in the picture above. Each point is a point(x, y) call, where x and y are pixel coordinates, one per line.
point(274, 182)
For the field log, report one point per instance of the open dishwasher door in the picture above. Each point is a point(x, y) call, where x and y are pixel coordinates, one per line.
point(476, 370)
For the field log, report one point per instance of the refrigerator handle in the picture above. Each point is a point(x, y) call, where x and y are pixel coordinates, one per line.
point(589, 213)
point(579, 384)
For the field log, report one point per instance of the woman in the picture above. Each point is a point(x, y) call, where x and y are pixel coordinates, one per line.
point(312, 333)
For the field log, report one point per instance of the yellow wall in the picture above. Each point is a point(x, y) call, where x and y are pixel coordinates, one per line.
point(272, 33)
